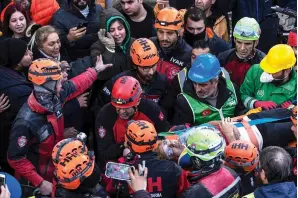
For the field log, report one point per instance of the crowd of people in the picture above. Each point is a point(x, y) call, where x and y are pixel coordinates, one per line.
point(177, 90)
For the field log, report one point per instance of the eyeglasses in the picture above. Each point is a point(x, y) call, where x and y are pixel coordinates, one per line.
point(147, 69)
point(245, 31)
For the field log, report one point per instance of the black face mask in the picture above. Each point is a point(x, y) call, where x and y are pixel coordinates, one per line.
point(80, 7)
point(192, 38)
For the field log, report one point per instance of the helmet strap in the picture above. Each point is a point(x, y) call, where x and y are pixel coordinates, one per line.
point(203, 168)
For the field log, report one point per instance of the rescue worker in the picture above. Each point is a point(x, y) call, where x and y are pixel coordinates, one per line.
point(205, 94)
point(144, 57)
point(175, 88)
point(174, 52)
point(272, 82)
point(237, 61)
point(243, 157)
point(165, 178)
point(273, 172)
point(69, 156)
point(39, 124)
point(209, 178)
point(111, 122)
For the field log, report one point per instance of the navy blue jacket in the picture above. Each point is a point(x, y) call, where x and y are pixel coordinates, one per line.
point(277, 190)
point(257, 9)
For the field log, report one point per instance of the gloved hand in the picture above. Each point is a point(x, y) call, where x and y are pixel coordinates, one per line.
point(286, 104)
point(108, 40)
point(265, 104)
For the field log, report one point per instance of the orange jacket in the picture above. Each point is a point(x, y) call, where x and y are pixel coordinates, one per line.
point(41, 11)
point(3, 11)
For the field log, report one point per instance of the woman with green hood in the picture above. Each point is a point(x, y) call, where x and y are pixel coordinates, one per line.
point(113, 44)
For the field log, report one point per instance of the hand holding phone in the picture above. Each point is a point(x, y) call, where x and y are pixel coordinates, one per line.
point(82, 25)
point(117, 171)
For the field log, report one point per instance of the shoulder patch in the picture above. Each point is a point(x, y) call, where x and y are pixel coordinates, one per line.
point(101, 132)
point(22, 141)
point(161, 116)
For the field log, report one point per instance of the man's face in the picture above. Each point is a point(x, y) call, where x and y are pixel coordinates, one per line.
point(80, 4)
point(131, 7)
point(197, 52)
point(125, 113)
point(25, 4)
point(204, 90)
point(195, 27)
point(167, 38)
point(244, 48)
point(204, 4)
point(147, 72)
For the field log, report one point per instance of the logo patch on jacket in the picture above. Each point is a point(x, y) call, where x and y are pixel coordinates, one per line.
point(261, 93)
point(22, 141)
point(161, 116)
point(206, 112)
point(101, 132)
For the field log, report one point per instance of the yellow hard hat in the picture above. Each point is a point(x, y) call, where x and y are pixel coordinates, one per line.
point(279, 57)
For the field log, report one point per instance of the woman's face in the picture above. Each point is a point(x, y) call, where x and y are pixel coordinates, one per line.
point(118, 32)
point(17, 23)
point(51, 46)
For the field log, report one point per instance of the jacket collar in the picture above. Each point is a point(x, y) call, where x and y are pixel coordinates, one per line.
point(223, 92)
point(35, 106)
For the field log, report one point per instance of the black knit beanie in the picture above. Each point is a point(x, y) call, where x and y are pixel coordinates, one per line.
point(12, 51)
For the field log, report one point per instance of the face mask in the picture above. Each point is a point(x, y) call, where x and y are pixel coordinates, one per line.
point(266, 78)
point(191, 38)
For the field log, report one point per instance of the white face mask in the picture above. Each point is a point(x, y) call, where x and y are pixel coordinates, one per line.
point(266, 78)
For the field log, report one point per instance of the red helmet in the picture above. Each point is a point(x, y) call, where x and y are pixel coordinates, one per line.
point(292, 38)
point(126, 92)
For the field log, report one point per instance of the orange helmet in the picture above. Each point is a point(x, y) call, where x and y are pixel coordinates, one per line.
point(144, 53)
point(242, 154)
point(168, 18)
point(141, 136)
point(68, 147)
point(126, 92)
point(71, 171)
point(294, 116)
point(43, 70)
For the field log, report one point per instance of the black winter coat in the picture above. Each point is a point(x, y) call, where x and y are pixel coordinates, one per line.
point(68, 17)
point(14, 85)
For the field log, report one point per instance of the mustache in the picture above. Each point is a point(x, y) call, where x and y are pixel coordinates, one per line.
point(165, 41)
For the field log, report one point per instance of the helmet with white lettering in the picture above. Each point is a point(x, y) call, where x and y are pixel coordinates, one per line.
point(144, 53)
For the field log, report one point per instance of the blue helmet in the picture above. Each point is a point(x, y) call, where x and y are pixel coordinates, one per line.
point(204, 68)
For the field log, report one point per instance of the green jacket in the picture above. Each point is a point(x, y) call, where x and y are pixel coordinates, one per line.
point(253, 89)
